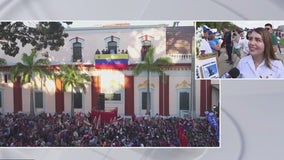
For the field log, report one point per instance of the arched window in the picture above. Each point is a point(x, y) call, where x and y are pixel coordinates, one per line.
point(112, 47)
point(77, 52)
point(77, 46)
point(146, 44)
point(112, 44)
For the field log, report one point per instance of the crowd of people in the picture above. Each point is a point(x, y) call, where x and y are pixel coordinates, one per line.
point(255, 50)
point(62, 130)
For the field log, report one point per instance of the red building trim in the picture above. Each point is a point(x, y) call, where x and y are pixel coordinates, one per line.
point(59, 96)
point(164, 96)
point(129, 95)
point(205, 96)
point(95, 89)
point(18, 98)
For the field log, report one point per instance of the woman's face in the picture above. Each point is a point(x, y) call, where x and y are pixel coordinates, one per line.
point(256, 44)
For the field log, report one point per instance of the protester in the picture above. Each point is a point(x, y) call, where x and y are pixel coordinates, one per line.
point(204, 45)
point(244, 44)
point(262, 61)
point(269, 28)
point(214, 44)
point(236, 42)
point(278, 44)
point(228, 43)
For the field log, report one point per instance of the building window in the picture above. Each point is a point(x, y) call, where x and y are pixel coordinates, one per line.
point(112, 47)
point(78, 99)
point(113, 96)
point(7, 77)
point(77, 52)
point(146, 41)
point(184, 100)
point(38, 99)
point(112, 44)
point(144, 100)
point(144, 51)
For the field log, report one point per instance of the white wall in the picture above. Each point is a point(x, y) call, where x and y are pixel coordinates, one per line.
point(26, 98)
point(139, 84)
point(7, 99)
point(49, 95)
point(197, 96)
point(176, 83)
point(93, 39)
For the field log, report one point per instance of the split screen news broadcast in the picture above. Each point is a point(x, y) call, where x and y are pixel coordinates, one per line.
point(104, 84)
point(239, 50)
point(126, 84)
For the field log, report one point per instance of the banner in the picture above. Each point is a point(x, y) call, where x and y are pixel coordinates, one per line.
point(104, 116)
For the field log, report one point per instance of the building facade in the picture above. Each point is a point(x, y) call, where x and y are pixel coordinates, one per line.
point(108, 55)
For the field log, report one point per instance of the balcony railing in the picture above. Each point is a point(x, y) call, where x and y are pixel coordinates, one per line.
point(180, 58)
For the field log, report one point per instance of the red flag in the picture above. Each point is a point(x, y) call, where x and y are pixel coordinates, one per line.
point(99, 122)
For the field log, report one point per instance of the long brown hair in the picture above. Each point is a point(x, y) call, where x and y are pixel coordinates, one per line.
point(268, 47)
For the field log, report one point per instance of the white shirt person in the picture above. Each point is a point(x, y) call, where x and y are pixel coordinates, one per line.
point(248, 70)
point(204, 47)
point(262, 61)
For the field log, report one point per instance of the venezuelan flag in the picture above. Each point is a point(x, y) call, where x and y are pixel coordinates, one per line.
point(111, 61)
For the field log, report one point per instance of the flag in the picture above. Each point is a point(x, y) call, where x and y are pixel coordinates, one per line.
point(87, 123)
point(95, 121)
point(98, 122)
point(111, 61)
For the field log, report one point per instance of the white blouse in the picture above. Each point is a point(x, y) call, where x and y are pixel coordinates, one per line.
point(248, 70)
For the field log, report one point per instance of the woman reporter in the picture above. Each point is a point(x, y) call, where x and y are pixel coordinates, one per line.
point(262, 61)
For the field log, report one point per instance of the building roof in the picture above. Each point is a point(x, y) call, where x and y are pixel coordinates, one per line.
point(116, 26)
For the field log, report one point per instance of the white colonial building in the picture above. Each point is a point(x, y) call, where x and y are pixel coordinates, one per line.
point(109, 55)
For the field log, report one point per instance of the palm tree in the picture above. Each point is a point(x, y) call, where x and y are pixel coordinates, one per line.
point(148, 66)
point(73, 78)
point(28, 69)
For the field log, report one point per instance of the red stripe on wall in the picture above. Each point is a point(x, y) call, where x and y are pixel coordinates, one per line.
point(95, 89)
point(164, 96)
point(111, 66)
point(17, 92)
point(129, 95)
point(205, 96)
point(59, 96)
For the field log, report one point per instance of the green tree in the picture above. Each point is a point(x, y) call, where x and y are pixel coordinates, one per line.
point(73, 78)
point(219, 25)
point(28, 69)
point(43, 35)
point(151, 65)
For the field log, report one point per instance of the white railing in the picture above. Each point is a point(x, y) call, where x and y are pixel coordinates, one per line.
point(180, 58)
